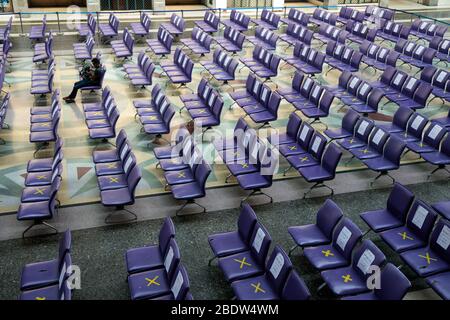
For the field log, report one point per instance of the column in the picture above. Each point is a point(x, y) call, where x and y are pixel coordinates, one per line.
point(93, 5)
point(330, 3)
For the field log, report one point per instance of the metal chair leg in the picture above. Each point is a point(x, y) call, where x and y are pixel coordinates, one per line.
point(109, 216)
point(318, 185)
point(292, 249)
point(38, 222)
point(192, 201)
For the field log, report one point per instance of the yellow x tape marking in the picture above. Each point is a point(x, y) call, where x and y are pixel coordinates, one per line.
point(41, 177)
point(174, 160)
point(405, 236)
point(39, 298)
point(40, 190)
point(427, 257)
point(293, 148)
point(347, 278)
point(112, 165)
point(236, 153)
point(152, 281)
point(98, 113)
point(351, 140)
point(304, 159)
point(327, 253)
point(364, 151)
point(152, 117)
point(45, 124)
point(100, 121)
point(242, 262)
point(181, 174)
point(245, 165)
point(201, 111)
point(258, 287)
point(113, 179)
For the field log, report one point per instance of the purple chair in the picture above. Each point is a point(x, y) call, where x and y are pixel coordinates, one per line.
point(342, 58)
point(98, 86)
point(192, 190)
point(394, 216)
point(297, 33)
point(414, 54)
point(117, 180)
point(440, 80)
point(268, 20)
point(443, 208)
point(430, 141)
point(306, 59)
point(414, 128)
point(330, 33)
point(360, 137)
point(180, 71)
point(182, 135)
point(231, 143)
point(222, 68)
point(320, 232)
point(179, 287)
point(43, 51)
point(37, 33)
point(39, 204)
point(83, 50)
point(175, 26)
point(347, 14)
point(232, 242)
point(375, 14)
point(89, 28)
point(209, 116)
point(440, 284)
point(45, 133)
point(442, 46)
point(393, 286)
point(264, 38)
point(427, 30)
point(141, 28)
point(393, 31)
point(237, 21)
point(104, 128)
point(324, 171)
point(352, 280)
point(347, 127)
point(151, 257)
point(162, 45)
point(301, 143)
point(121, 197)
point(321, 111)
point(45, 164)
point(154, 283)
point(46, 273)
point(268, 286)
point(58, 291)
point(251, 262)
point(377, 57)
point(111, 29)
point(435, 257)
point(123, 48)
point(199, 43)
point(337, 254)
point(400, 121)
point(322, 17)
point(296, 16)
point(263, 63)
point(231, 41)
point(210, 22)
point(141, 74)
point(111, 155)
point(290, 135)
point(414, 234)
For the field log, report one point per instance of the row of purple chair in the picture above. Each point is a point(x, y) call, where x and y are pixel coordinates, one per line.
point(231, 41)
point(118, 175)
point(162, 45)
point(140, 73)
point(321, 17)
point(48, 280)
point(180, 70)
point(342, 57)
point(440, 80)
point(442, 47)
point(141, 28)
point(238, 21)
point(359, 32)
point(123, 48)
point(426, 30)
point(210, 22)
point(222, 67)
point(377, 57)
point(347, 14)
point(152, 266)
point(4, 106)
point(6, 30)
point(263, 63)
point(42, 79)
point(39, 203)
point(175, 26)
point(264, 38)
point(242, 258)
point(89, 28)
point(83, 50)
point(357, 93)
point(306, 59)
point(43, 51)
point(415, 54)
point(330, 33)
point(155, 114)
point(297, 33)
point(374, 14)
point(296, 16)
point(38, 33)
point(111, 29)
point(268, 20)
point(101, 117)
point(199, 43)
point(408, 226)
point(205, 108)
point(393, 31)
point(402, 89)
point(258, 101)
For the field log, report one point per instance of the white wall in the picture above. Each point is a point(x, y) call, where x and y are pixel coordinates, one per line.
point(280, 3)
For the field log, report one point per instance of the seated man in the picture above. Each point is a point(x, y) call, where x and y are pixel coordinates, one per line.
point(90, 75)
